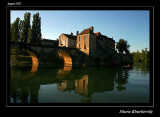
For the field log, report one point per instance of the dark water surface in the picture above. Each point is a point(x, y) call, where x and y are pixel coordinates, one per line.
point(80, 85)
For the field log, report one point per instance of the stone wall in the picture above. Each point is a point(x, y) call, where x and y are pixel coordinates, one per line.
point(92, 45)
point(82, 41)
point(72, 43)
point(63, 40)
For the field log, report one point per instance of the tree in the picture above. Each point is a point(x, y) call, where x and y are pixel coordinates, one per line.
point(25, 27)
point(142, 56)
point(15, 32)
point(30, 36)
point(36, 29)
point(123, 46)
point(11, 28)
point(147, 56)
point(22, 31)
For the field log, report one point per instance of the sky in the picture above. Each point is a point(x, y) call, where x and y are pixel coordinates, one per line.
point(131, 25)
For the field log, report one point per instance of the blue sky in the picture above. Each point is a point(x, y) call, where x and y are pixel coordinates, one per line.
point(131, 25)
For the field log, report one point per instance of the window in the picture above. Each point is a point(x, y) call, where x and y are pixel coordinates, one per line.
point(84, 46)
point(79, 38)
point(84, 37)
point(79, 46)
point(65, 42)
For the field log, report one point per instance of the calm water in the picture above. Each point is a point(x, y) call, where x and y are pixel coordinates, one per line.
point(80, 85)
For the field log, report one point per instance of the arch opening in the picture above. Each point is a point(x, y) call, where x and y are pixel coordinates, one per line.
point(35, 62)
point(67, 58)
point(67, 63)
point(25, 60)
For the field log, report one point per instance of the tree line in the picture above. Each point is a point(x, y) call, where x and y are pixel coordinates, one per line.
point(141, 57)
point(138, 57)
point(22, 31)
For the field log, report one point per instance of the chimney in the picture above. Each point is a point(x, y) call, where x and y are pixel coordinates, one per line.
point(77, 32)
point(92, 28)
point(71, 33)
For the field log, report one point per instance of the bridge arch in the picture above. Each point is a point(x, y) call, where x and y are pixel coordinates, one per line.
point(67, 58)
point(35, 62)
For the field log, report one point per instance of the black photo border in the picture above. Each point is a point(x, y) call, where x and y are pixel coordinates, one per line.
point(76, 106)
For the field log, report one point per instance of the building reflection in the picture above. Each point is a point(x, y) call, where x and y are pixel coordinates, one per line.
point(66, 85)
point(84, 82)
point(81, 86)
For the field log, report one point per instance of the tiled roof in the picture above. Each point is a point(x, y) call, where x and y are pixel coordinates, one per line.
point(70, 36)
point(100, 36)
point(97, 33)
point(105, 37)
point(86, 31)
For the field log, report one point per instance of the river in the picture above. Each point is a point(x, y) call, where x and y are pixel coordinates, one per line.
point(80, 85)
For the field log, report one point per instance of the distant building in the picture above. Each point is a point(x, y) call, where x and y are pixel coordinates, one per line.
point(49, 42)
point(91, 43)
point(87, 41)
point(104, 43)
point(67, 40)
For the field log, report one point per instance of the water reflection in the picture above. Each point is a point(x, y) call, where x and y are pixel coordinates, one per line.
point(121, 79)
point(84, 82)
point(62, 72)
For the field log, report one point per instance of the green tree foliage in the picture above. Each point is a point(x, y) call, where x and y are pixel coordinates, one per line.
point(123, 46)
point(15, 30)
point(25, 27)
point(30, 36)
point(36, 29)
point(143, 56)
point(21, 30)
point(11, 28)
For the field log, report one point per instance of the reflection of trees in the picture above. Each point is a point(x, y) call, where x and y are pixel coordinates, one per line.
point(144, 67)
point(25, 94)
point(34, 91)
point(27, 90)
point(20, 94)
point(121, 79)
point(84, 81)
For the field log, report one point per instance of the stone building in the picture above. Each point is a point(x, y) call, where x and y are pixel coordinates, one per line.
point(87, 41)
point(91, 43)
point(67, 40)
point(104, 43)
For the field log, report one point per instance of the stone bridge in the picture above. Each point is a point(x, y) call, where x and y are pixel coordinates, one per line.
point(41, 53)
